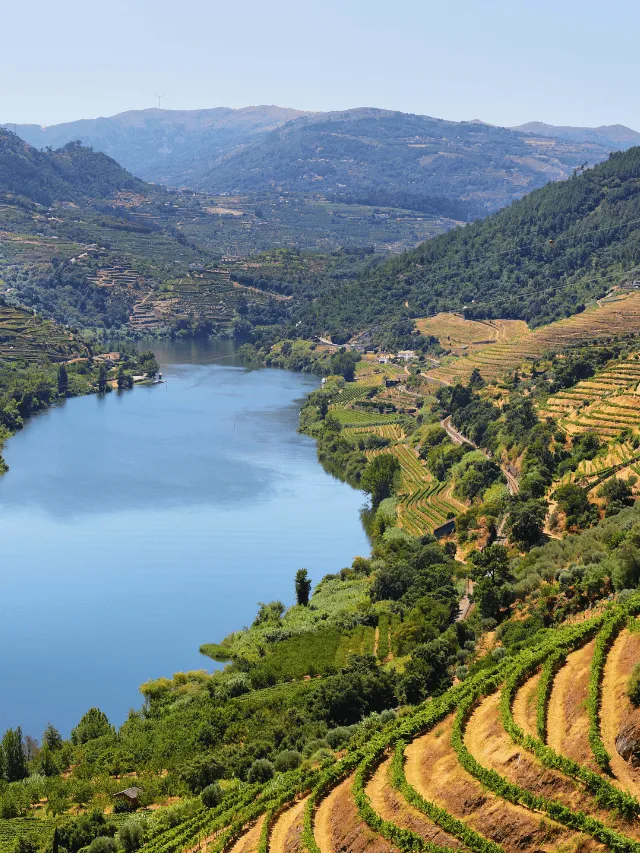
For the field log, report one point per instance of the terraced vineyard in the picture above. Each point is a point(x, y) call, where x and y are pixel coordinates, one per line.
point(25, 337)
point(458, 334)
point(31, 829)
point(605, 320)
point(519, 757)
point(210, 297)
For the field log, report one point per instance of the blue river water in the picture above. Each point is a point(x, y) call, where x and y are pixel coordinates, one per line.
point(136, 526)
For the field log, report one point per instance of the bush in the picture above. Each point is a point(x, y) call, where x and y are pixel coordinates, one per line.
point(103, 844)
point(633, 685)
point(212, 795)
point(338, 737)
point(122, 806)
point(131, 835)
point(260, 771)
point(314, 745)
point(288, 759)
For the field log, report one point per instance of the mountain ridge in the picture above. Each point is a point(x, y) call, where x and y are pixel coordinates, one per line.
point(363, 155)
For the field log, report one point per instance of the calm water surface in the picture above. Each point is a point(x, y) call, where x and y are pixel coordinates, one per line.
point(137, 526)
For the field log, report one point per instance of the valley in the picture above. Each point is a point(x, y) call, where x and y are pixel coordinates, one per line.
point(450, 667)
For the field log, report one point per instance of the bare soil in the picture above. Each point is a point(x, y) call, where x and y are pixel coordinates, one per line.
point(285, 834)
point(432, 768)
point(249, 841)
point(492, 747)
point(567, 719)
point(392, 806)
point(525, 705)
point(617, 710)
point(337, 826)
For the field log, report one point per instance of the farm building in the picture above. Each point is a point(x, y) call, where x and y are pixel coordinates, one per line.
point(130, 795)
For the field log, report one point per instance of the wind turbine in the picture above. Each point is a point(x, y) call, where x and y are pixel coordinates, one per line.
point(159, 97)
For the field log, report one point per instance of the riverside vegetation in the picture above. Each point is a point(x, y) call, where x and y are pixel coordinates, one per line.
point(445, 692)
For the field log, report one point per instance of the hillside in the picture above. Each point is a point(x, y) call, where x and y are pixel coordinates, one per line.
point(461, 170)
point(616, 136)
point(393, 158)
point(70, 174)
point(172, 147)
point(542, 258)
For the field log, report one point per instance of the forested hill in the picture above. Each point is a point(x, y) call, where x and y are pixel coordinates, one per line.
point(365, 155)
point(72, 173)
point(399, 159)
point(542, 258)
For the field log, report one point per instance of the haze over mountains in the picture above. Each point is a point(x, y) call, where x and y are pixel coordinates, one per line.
point(457, 169)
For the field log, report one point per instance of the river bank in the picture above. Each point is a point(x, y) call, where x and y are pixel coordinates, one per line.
point(162, 517)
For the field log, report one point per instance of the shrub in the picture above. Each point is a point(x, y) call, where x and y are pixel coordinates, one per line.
point(122, 806)
point(314, 745)
point(131, 835)
point(260, 771)
point(288, 759)
point(338, 737)
point(103, 844)
point(212, 795)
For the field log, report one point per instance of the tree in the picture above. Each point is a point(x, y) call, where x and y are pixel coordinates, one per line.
point(201, 772)
point(63, 381)
point(52, 738)
point(14, 759)
point(260, 771)
point(303, 587)
point(573, 501)
point(212, 795)
point(124, 379)
point(492, 575)
point(343, 363)
point(102, 378)
point(148, 363)
point(617, 494)
point(526, 521)
point(93, 724)
point(131, 835)
point(379, 476)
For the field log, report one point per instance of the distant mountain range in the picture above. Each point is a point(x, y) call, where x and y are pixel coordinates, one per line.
point(173, 147)
point(616, 136)
point(461, 170)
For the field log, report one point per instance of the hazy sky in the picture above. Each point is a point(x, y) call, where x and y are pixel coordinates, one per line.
point(504, 61)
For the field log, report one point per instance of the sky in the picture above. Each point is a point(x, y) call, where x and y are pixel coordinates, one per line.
point(502, 61)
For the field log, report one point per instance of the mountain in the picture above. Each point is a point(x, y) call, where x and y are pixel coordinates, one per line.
point(540, 259)
point(616, 136)
point(460, 170)
point(70, 174)
point(167, 146)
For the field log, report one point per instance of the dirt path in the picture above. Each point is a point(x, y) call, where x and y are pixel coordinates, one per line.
point(337, 826)
point(567, 719)
point(525, 705)
point(250, 840)
point(283, 826)
point(492, 747)
point(617, 710)
point(376, 642)
point(392, 806)
point(432, 768)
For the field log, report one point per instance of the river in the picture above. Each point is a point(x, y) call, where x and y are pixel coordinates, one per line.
point(138, 525)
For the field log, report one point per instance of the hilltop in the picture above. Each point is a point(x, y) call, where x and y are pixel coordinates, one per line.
point(385, 158)
point(616, 136)
point(168, 146)
point(71, 174)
